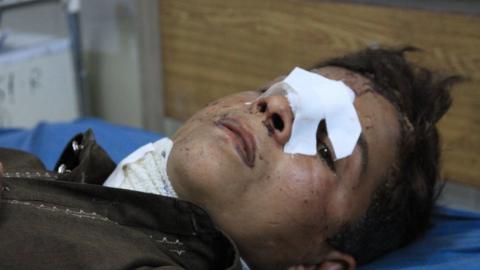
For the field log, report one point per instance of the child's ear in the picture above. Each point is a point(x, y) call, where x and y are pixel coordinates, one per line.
point(334, 260)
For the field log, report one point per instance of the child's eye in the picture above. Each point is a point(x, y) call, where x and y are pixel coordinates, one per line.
point(322, 148)
point(325, 154)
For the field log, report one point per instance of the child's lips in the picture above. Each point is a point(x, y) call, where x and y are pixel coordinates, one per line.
point(243, 140)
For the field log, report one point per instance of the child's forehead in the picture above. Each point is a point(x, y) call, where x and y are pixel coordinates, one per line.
point(357, 82)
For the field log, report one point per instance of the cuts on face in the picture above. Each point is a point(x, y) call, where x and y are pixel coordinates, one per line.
point(229, 158)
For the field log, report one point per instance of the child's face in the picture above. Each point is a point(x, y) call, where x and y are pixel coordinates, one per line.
point(280, 208)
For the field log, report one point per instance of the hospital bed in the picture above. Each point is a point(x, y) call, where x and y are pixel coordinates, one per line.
point(453, 242)
point(221, 47)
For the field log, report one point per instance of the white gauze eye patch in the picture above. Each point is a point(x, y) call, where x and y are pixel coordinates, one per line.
point(313, 98)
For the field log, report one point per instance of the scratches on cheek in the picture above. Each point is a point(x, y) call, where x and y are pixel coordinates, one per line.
point(186, 151)
point(213, 103)
point(210, 110)
point(367, 122)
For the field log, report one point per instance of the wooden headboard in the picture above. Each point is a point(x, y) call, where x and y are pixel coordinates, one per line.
point(212, 48)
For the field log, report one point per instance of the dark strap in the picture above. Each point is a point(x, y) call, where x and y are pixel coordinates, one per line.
point(84, 161)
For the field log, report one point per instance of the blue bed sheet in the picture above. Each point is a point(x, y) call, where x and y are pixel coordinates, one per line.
point(48, 140)
point(452, 243)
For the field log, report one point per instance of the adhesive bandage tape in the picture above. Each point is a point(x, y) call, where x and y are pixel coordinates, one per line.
point(312, 98)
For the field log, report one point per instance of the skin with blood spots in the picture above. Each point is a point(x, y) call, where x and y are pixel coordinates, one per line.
point(280, 211)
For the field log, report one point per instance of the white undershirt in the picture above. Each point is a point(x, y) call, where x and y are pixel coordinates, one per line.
point(145, 170)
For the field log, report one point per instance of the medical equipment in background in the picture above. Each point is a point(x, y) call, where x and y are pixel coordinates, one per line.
point(41, 76)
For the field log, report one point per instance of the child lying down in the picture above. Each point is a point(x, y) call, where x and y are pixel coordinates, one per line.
point(315, 171)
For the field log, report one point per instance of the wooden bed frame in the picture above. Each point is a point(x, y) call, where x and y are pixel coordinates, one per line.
point(212, 48)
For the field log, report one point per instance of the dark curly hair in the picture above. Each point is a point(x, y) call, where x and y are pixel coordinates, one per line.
point(401, 207)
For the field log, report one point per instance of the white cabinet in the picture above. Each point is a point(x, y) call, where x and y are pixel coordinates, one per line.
point(37, 81)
